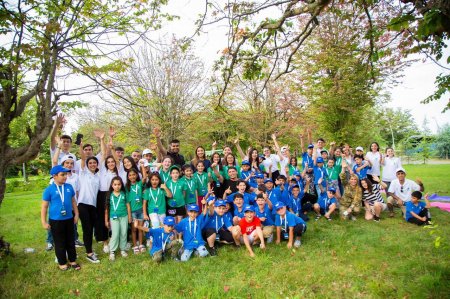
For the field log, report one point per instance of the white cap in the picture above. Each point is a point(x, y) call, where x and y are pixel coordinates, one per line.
point(147, 151)
point(283, 149)
point(68, 157)
point(400, 169)
point(359, 148)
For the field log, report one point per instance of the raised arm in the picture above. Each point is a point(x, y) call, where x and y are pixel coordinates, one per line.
point(277, 146)
point(157, 133)
point(59, 121)
point(238, 147)
point(56, 154)
point(302, 144)
point(100, 134)
point(82, 155)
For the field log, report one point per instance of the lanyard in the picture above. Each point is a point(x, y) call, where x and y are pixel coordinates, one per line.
point(61, 193)
point(164, 175)
point(201, 179)
point(136, 189)
point(172, 189)
point(330, 175)
point(195, 227)
point(164, 242)
point(157, 195)
point(217, 223)
point(294, 200)
point(189, 185)
point(270, 193)
point(245, 176)
point(115, 205)
point(285, 223)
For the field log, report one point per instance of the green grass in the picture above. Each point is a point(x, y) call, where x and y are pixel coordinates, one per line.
point(390, 259)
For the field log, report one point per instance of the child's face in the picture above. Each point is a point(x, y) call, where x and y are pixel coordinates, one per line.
point(414, 199)
point(166, 163)
point(281, 211)
point(192, 214)
point(168, 228)
point(358, 160)
point(330, 194)
point(238, 202)
point(227, 207)
point(132, 176)
point(175, 174)
point(295, 192)
point(60, 178)
point(242, 187)
point(319, 164)
point(245, 167)
point(269, 185)
point(200, 167)
point(116, 185)
point(324, 155)
point(188, 172)
point(249, 216)
point(220, 210)
point(330, 163)
point(260, 201)
point(68, 164)
point(282, 181)
point(154, 181)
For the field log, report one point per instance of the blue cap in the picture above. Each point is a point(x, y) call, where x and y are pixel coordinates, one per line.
point(245, 162)
point(319, 160)
point(268, 180)
point(192, 207)
point(211, 197)
point(332, 189)
point(279, 205)
point(259, 175)
point(169, 220)
point(220, 203)
point(248, 208)
point(296, 172)
point(311, 145)
point(57, 169)
point(262, 157)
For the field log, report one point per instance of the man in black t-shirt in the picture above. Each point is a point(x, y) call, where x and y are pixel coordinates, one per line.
point(174, 149)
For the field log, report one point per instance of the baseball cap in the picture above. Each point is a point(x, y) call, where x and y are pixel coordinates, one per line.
point(279, 205)
point(310, 145)
point(245, 162)
point(57, 169)
point(192, 207)
point(169, 220)
point(262, 157)
point(359, 148)
point(147, 151)
point(283, 149)
point(210, 198)
point(296, 172)
point(324, 151)
point(268, 180)
point(400, 169)
point(68, 157)
point(259, 175)
point(220, 203)
point(248, 208)
point(319, 160)
point(332, 189)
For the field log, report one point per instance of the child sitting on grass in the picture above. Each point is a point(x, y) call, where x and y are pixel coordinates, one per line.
point(326, 205)
point(164, 242)
point(288, 226)
point(251, 230)
point(417, 211)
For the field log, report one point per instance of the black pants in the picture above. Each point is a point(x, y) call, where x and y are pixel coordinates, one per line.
point(88, 216)
point(62, 231)
point(101, 231)
point(299, 229)
point(308, 200)
point(423, 213)
point(224, 234)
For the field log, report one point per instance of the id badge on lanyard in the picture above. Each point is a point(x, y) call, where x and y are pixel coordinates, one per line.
point(61, 196)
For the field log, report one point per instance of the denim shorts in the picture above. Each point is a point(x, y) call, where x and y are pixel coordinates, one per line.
point(139, 215)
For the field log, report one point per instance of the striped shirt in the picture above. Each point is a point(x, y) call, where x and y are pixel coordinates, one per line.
point(375, 196)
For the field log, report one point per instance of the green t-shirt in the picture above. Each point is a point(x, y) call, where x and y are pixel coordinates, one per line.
point(202, 183)
point(134, 196)
point(164, 175)
point(225, 172)
point(338, 164)
point(118, 205)
point(156, 199)
point(191, 188)
point(332, 173)
point(177, 189)
point(292, 169)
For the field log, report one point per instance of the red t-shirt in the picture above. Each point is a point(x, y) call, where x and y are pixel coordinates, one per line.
point(248, 228)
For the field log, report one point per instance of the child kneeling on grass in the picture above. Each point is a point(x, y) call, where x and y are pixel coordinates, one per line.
point(163, 239)
point(59, 199)
point(117, 217)
point(191, 230)
point(251, 230)
point(417, 211)
point(288, 226)
point(326, 204)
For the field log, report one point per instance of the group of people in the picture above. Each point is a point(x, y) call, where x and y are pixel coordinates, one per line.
point(183, 208)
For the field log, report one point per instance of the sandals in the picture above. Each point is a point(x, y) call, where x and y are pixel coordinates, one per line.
point(63, 267)
point(141, 248)
point(75, 266)
point(136, 250)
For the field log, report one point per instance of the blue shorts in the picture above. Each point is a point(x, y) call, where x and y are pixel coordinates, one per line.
point(139, 215)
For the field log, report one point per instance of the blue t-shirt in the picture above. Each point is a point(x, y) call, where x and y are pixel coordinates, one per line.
point(267, 213)
point(236, 212)
point(290, 220)
point(307, 159)
point(56, 209)
point(320, 172)
point(410, 207)
point(228, 216)
point(192, 232)
point(284, 194)
point(325, 202)
point(160, 238)
point(295, 204)
point(217, 222)
point(362, 174)
point(249, 198)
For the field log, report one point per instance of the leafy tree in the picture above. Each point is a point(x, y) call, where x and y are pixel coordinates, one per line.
point(442, 141)
point(44, 42)
point(395, 125)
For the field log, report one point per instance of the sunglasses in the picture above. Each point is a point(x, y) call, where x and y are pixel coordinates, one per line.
point(401, 189)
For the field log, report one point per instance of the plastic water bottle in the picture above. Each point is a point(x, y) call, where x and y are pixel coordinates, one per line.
point(29, 250)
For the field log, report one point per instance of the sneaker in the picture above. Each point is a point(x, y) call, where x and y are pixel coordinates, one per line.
point(353, 218)
point(297, 243)
point(49, 247)
point(124, 253)
point(93, 258)
point(317, 217)
point(105, 248)
point(328, 218)
point(212, 251)
point(376, 218)
point(270, 239)
point(112, 256)
point(79, 244)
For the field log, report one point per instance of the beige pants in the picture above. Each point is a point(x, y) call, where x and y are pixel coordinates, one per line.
point(396, 203)
point(267, 231)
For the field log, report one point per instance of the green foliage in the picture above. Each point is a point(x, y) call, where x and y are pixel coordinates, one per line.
point(395, 125)
point(442, 142)
point(443, 87)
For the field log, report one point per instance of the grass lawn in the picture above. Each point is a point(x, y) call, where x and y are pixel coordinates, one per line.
point(390, 259)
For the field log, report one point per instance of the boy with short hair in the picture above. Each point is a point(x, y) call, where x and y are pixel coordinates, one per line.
point(238, 211)
point(288, 226)
point(251, 230)
point(263, 210)
point(417, 211)
point(164, 241)
point(326, 204)
point(360, 168)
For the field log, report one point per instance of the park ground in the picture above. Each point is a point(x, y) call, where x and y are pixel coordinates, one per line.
point(338, 259)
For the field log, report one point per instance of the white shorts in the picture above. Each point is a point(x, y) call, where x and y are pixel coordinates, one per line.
point(251, 237)
point(372, 208)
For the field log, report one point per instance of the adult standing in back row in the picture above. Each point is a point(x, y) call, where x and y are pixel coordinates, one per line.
point(174, 148)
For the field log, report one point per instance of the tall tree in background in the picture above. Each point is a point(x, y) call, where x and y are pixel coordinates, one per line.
point(43, 43)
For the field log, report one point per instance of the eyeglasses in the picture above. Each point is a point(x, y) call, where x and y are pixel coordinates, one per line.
point(401, 189)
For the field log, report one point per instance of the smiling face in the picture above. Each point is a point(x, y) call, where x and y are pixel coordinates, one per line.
point(116, 185)
point(92, 165)
point(374, 147)
point(166, 163)
point(232, 173)
point(68, 164)
point(175, 147)
point(88, 151)
point(230, 159)
point(200, 167)
point(227, 150)
point(249, 216)
point(353, 181)
point(281, 211)
point(238, 201)
point(136, 156)
point(154, 181)
point(254, 154)
point(132, 176)
point(174, 174)
point(266, 152)
point(215, 158)
point(66, 144)
point(192, 215)
point(188, 172)
point(241, 187)
point(200, 152)
point(60, 178)
point(220, 210)
point(110, 163)
point(127, 163)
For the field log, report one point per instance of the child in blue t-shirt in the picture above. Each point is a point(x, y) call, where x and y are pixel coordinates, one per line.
point(263, 210)
point(59, 200)
point(326, 204)
point(288, 226)
point(360, 168)
point(417, 211)
point(191, 230)
point(164, 242)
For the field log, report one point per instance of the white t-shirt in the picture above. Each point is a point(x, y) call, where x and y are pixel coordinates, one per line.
point(89, 186)
point(375, 160)
point(77, 165)
point(61, 155)
point(272, 160)
point(389, 167)
point(283, 164)
point(404, 192)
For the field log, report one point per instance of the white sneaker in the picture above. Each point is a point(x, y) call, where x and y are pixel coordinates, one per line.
point(353, 218)
point(56, 259)
point(124, 253)
point(297, 243)
point(270, 239)
point(148, 243)
point(112, 256)
point(49, 247)
point(93, 259)
point(105, 248)
point(127, 248)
